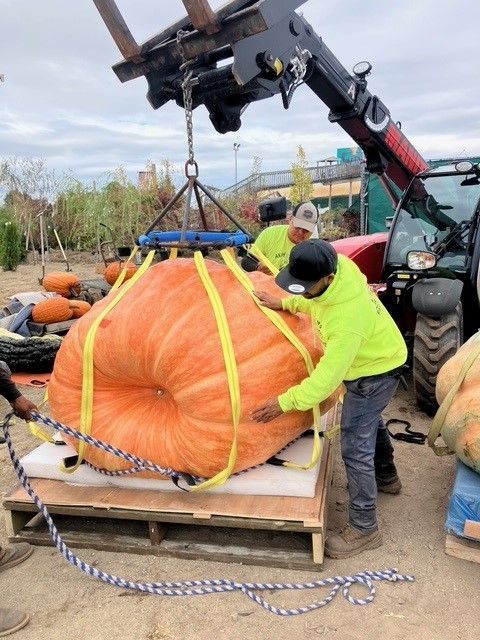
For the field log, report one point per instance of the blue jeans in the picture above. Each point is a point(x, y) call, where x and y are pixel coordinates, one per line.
point(366, 445)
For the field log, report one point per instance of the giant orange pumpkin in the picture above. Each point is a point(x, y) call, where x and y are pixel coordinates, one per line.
point(114, 269)
point(159, 374)
point(461, 429)
point(66, 284)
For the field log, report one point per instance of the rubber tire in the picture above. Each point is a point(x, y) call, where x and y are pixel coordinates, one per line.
point(436, 340)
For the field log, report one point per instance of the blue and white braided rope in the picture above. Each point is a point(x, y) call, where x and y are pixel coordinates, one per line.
point(196, 587)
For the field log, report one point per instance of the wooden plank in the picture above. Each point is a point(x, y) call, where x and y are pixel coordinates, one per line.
point(15, 521)
point(472, 529)
point(179, 518)
point(156, 532)
point(293, 553)
point(318, 544)
point(201, 15)
point(462, 548)
point(119, 30)
point(167, 55)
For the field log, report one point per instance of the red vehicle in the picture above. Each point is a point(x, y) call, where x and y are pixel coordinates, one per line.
point(251, 50)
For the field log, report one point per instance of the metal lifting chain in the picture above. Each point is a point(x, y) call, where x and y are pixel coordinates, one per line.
point(187, 94)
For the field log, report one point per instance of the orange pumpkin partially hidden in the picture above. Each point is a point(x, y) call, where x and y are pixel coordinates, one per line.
point(114, 269)
point(65, 284)
point(79, 308)
point(160, 384)
point(461, 429)
point(52, 310)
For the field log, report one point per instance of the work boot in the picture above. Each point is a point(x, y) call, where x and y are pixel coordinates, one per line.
point(11, 621)
point(391, 484)
point(11, 556)
point(350, 542)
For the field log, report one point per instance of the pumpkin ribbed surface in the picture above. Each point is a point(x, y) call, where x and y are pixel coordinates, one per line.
point(79, 308)
point(114, 269)
point(66, 284)
point(461, 429)
point(52, 310)
point(160, 385)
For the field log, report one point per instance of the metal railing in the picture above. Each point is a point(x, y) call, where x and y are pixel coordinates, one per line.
point(281, 179)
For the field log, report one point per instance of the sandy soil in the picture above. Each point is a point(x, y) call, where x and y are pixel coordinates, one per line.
point(66, 605)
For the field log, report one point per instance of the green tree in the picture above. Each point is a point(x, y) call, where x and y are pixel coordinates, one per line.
point(302, 188)
point(10, 246)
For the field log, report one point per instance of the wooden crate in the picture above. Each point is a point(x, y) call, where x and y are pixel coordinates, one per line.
point(261, 530)
point(467, 548)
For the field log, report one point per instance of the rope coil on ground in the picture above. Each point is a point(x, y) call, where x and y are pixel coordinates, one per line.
point(197, 587)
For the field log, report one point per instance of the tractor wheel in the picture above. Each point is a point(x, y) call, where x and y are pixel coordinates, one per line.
point(435, 341)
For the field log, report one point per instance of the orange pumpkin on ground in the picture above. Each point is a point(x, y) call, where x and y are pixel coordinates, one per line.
point(52, 310)
point(461, 429)
point(79, 308)
point(114, 269)
point(160, 386)
point(63, 283)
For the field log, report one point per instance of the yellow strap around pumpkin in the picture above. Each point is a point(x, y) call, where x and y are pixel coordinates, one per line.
point(255, 251)
point(439, 419)
point(280, 323)
point(86, 411)
point(173, 255)
point(37, 431)
point(123, 272)
point(231, 369)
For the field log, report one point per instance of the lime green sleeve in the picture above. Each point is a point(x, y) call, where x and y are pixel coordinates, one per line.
point(297, 303)
point(329, 373)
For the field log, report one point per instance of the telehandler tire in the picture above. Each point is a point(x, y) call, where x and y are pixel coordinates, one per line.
point(436, 340)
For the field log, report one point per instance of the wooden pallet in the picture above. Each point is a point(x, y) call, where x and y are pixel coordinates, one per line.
point(261, 530)
point(467, 548)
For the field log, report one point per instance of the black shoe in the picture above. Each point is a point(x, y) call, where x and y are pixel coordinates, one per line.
point(390, 485)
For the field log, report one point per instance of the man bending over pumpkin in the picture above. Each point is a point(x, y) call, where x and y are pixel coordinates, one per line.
point(365, 350)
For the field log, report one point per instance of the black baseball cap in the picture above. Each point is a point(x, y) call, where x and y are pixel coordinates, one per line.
point(309, 262)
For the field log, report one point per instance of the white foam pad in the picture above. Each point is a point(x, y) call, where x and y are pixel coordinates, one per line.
point(270, 480)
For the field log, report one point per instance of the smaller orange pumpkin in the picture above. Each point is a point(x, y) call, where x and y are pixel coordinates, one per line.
point(66, 284)
point(52, 310)
point(79, 308)
point(114, 269)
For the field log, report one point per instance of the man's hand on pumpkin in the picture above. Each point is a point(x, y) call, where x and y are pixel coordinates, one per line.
point(268, 411)
point(264, 269)
point(267, 300)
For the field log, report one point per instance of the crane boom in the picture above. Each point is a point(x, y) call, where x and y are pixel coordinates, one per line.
point(249, 51)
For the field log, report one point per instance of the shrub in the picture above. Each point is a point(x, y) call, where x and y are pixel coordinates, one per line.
point(10, 246)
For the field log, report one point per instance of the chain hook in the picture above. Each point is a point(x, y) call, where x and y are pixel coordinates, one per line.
point(187, 85)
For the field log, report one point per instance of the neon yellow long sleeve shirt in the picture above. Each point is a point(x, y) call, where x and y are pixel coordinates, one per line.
point(358, 334)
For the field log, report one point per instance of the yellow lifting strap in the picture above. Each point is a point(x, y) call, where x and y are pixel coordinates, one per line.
point(439, 419)
point(231, 369)
point(255, 251)
point(280, 323)
point(86, 411)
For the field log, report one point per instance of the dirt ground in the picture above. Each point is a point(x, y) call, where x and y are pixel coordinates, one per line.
point(66, 605)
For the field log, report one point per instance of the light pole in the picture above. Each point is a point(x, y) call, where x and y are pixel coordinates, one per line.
point(236, 146)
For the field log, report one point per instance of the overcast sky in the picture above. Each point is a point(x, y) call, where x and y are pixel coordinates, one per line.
point(61, 100)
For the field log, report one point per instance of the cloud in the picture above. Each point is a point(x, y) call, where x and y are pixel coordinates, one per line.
point(62, 101)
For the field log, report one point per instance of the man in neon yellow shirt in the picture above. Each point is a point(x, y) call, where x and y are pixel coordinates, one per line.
point(277, 242)
point(365, 350)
